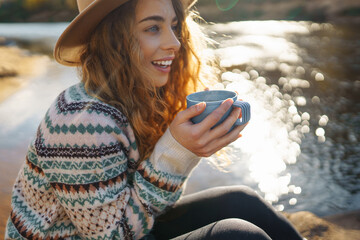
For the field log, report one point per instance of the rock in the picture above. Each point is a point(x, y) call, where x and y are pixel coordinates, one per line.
point(338, 227)
point(349, 220)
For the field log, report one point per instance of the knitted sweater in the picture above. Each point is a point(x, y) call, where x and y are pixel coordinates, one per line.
point(80, 178)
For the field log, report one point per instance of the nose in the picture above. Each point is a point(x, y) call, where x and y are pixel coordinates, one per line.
point(171, 41)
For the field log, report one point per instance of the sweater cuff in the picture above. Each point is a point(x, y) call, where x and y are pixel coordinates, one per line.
point(170, 156)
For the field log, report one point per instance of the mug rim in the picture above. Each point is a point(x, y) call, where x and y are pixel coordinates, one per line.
point(188, 97)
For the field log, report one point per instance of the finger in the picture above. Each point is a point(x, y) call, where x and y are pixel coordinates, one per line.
point(239, 128)
point(244, 125)
point(225, 126)
point(216, 115)
point(191, 112)
point(219, 143)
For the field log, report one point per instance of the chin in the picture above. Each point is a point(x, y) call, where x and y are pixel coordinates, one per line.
point(161, 82)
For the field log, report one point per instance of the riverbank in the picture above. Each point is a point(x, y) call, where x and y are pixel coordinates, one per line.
point(331, 11)
point(344, 226)
point(334, 11)
point(16, 64)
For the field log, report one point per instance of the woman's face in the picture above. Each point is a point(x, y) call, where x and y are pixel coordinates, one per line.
point(155, 28)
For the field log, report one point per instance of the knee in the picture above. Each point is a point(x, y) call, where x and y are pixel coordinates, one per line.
point(242, 193)
point(234, 228)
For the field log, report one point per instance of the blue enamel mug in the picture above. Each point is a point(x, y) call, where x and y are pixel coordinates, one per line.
point(213, 99)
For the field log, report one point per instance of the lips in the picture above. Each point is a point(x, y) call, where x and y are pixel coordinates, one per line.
point(163, 65)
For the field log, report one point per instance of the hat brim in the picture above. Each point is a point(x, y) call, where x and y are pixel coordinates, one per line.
point(72, 40)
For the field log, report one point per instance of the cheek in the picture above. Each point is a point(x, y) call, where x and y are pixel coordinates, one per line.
point(148, 49)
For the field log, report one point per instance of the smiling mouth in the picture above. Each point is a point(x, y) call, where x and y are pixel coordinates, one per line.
point(162, 64)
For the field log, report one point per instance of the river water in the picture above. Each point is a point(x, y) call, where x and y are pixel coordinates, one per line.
point(302, 79)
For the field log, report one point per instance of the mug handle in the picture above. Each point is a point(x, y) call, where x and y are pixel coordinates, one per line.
point(245, 112)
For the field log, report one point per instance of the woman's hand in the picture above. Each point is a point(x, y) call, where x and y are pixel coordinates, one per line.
point(200, 138)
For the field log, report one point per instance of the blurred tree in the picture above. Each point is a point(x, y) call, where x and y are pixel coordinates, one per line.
point(12, 9)
point(71, 4)
point(33, 4)
point(37, 10)
point(210, 10)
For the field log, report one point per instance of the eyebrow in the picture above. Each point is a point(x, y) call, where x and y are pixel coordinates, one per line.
point(156, 18)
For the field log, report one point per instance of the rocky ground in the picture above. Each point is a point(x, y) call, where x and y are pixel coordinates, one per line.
point(344, 226)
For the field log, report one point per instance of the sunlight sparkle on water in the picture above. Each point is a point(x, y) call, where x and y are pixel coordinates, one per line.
point(268, 142)
point(305, 129)
point(271, 141)
point(320, 132)
point(300, 101)
point(323, 120)
point(305, 116)
point(292, 110)
point(319, 77)
point(292, 201)
point(273, 136)
point(251, 41)
point(296, 118)
point(315, 100)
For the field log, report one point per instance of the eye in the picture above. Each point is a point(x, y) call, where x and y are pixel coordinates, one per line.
point(175, 26)
point(154, 28)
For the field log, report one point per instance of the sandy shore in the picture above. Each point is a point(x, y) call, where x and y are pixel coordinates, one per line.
point(17, 66)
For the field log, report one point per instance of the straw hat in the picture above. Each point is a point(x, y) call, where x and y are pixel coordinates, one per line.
point(91, 12)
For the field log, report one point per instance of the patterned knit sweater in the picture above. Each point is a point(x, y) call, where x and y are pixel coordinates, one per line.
point(80, 179)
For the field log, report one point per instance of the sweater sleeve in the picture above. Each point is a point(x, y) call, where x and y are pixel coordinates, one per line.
point(158, 180)
point(89, 157)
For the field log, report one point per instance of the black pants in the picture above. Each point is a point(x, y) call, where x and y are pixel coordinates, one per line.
point(232, 212)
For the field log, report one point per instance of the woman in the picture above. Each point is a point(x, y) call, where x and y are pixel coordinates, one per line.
point(111, 156)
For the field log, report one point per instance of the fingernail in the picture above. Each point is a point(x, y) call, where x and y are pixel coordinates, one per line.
point(199, 106)
point(240, 135)
point(228, 102)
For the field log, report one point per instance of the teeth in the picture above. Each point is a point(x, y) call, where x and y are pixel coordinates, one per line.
point(163, 63)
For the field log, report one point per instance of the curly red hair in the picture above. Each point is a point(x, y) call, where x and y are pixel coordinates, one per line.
point(111, 71)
